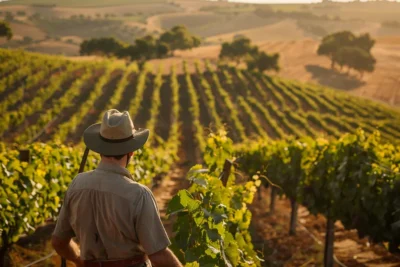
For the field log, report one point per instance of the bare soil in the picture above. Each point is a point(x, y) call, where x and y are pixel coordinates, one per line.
point(271, 231)
point(164, 119)
point(145, 104)
point(189, 153)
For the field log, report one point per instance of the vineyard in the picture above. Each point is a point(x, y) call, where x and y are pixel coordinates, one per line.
point(49, 98)
point(286, 134)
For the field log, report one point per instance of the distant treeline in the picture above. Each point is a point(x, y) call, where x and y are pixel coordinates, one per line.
point(391, 24)
point(268, 12)
point(145, 48)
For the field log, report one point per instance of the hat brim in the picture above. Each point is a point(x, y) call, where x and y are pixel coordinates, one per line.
point(94, 142)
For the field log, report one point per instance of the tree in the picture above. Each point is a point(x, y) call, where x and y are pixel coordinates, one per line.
point(179, 38)
point(237, 50)
point(27, 39)
point(128, 52)
point(263, 61)
point(145, 48)
point(340, 46)
point(9, 16)
point(162, 50)
point(364, 42)
point(333, 42)
point(104, 46)
point(356, 58)
point(5, 30)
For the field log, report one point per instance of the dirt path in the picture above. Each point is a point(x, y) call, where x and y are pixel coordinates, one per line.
point(189, 150)
point(165, 117)
point(170, 185)
point(306, 248)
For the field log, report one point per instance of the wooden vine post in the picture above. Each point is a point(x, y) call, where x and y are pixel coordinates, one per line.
point(293, 216)
point(4, 250)
point(274, 191)
point(329, 241)
point(24, 155)
point(226, 172)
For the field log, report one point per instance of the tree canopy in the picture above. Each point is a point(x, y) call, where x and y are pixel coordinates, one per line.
point(145, 48)
point(106, 46)
point(346, 49)
point(179, 38)
point(263, 61)
point(237, 50)
point(5, 30)
point(241, 49)
point(355, 58)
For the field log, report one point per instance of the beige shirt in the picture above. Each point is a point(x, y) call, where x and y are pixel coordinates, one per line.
point(112, 216)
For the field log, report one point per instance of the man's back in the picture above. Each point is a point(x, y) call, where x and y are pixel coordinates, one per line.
point(112, 216)
point(115, 219)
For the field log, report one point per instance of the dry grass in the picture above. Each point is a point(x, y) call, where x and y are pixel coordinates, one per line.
point(80, 3)
point(283, 30)
point(299, 61)
point(207, 24)
point(57, 11)
point(191, 20)
point(21, 29)
point(54, 47)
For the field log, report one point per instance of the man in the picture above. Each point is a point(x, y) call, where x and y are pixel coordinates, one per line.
point(115, 219)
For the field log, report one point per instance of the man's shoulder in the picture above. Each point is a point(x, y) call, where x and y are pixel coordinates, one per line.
point(133, 191)
point(121, 186)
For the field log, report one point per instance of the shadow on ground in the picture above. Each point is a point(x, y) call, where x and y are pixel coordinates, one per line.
point(333, 78)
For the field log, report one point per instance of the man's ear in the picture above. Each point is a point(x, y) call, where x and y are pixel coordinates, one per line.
point(130, 154)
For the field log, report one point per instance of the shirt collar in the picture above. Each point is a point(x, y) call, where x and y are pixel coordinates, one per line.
point(114, 168)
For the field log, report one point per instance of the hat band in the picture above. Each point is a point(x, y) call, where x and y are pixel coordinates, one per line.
point(116, 140)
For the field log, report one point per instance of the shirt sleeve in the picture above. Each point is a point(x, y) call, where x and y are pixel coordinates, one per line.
point(149, 228)
point(63, 227)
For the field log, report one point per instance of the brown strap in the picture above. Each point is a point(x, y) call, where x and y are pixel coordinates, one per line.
point(132, 262)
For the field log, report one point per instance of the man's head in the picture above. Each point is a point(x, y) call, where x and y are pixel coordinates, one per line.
point(116, 137)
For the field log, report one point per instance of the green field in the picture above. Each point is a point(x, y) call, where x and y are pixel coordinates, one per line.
point(78, 3)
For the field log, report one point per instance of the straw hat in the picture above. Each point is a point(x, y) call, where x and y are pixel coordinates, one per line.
point(115, 135)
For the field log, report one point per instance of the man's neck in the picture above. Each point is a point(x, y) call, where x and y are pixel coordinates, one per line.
point(121, 162)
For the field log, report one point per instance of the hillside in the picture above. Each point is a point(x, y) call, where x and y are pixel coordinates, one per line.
point(79, 3)
point(54, 23)
point(299, 61)
point(54, 98)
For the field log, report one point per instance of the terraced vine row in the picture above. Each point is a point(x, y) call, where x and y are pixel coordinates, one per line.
point(253, 105)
